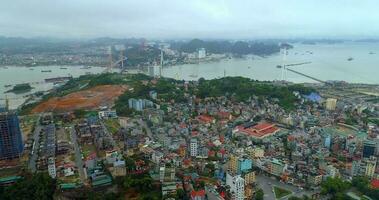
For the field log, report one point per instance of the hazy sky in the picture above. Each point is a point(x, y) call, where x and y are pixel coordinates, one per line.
point(239, 19)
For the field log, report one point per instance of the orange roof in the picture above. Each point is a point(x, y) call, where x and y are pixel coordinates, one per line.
point(197, 193)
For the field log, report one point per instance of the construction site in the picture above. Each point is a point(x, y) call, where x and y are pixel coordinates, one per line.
point(89, 99)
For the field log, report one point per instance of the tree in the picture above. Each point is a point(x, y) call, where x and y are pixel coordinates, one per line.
point(180, 194)
point(334, 186)
point(32, 186)
point(259, 195)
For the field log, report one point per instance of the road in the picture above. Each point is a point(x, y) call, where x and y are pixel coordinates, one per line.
point(33, 158)
point(266, 184)
point(78, 154)
point(147, 128)
point(108, 133)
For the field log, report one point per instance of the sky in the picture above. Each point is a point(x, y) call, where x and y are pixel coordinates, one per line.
point(175, 19)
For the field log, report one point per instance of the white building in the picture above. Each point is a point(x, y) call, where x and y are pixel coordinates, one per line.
point(202, 53)
point(51, 167)
point(155, 71)
point(237, 186)
point(331, 104)
point(193, 147)
point(107, 114)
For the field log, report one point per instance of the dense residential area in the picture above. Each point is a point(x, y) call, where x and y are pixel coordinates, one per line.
point(148, 137)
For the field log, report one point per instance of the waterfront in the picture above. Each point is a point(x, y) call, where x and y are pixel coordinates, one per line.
point(17, 75)
point(328, 62)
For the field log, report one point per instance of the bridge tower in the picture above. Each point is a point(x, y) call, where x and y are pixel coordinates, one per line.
point(161, 65)
point(109, 68)
point(284, 60)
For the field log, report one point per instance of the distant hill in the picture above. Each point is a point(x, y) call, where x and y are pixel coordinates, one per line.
point(238, 47)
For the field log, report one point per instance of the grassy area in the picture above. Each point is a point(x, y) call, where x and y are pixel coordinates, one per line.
point(280, 192)
point(112, 125)
point(88, 149)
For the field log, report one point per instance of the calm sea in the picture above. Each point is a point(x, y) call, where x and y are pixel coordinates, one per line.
point(328, 62)
point(35, 76)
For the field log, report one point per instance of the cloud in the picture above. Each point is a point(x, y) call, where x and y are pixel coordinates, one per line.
point(189, 18)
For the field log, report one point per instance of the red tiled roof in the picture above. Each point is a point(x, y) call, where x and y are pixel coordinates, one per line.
point(194, 133)
point(197, 193)
point(375, 183)
point(259, 130)
point(183, 125)
point(223, 114)
point(91, 156)
point(205, 118)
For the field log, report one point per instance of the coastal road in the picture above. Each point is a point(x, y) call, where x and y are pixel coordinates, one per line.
point(266, 184)
point(36, 135)
point(78, 154)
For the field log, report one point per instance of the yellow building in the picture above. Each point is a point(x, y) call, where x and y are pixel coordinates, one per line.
point(257, 153)
point(331, 104)
point(370, 166)
point(233, 164)
point(249, 192)
point(249, 178)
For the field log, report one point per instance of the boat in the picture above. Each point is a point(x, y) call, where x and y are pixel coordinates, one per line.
point(350, 59)
point(31, 69)
point(371, 53)
point(63, 68)
point(45, 70)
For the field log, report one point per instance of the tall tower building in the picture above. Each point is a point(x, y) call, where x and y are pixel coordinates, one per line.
point(370, 166)
point(193, 147)
point(233, 163)
point(368, 148)
point(11, 145)
point(237, 186)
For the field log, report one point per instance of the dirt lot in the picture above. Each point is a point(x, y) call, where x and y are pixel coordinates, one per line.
point(89, 99)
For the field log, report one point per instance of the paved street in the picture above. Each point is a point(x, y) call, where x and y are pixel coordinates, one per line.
point(148, 131)
point(33, 158)
point(266, 183)
point(78, 155)
point(107, 133)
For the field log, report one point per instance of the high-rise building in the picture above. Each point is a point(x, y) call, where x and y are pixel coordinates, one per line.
point(328, 141)
point(276, 167)
point(237, 186)
point(368, 148)
point(202, 53)
point(331, 104)
point(155, 71)
point(370, 166)
point(11, 145)
point(233, 164)
point(244, 165)
point(193, 147)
